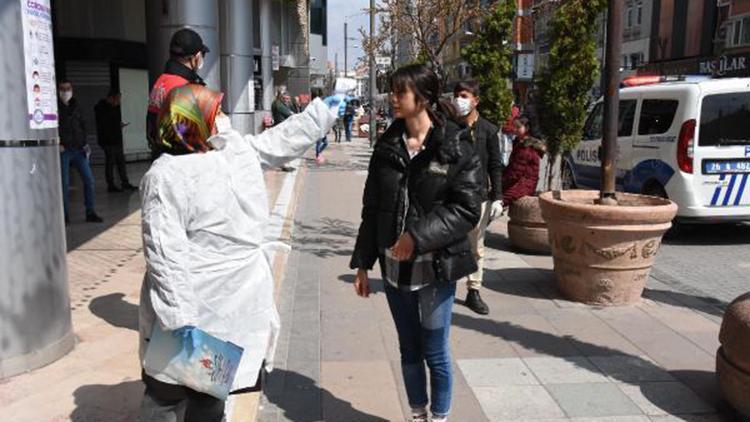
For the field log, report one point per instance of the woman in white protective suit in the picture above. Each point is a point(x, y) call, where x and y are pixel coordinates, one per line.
point(204, 213)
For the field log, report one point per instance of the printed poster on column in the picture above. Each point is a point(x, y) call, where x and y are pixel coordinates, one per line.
point(41, 92)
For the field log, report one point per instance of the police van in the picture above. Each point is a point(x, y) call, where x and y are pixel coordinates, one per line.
point(686, 139)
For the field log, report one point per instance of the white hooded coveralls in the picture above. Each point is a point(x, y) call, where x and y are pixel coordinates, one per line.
point(203, 223)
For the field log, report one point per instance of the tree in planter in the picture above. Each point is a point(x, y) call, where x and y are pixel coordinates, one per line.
point(565, 83)
point(489, 56)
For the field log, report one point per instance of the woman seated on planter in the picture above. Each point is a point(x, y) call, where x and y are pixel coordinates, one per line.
point(521, 176)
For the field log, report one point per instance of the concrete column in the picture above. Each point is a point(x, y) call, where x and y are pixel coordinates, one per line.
point(35, 326)
point(237, 48)
point(164, 17)
point(266, 22)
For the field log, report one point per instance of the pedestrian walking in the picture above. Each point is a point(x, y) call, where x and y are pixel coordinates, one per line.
point(204, 214)
point(422, 197)
point(109, 136)
point(485, 136)
point(349, 112)
point(74, 150)
point(187, 54)
point(522, 175)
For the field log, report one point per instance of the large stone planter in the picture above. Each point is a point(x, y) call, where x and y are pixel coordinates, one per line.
point(733, 357)
point(603, 254)
point(734, 335)
point(734, 383)
point(527, 230)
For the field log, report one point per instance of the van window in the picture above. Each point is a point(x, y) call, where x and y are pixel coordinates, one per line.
point(593, 128)
point(657, 116)
point(626, 118)
point(595, 124)
point(724, 119)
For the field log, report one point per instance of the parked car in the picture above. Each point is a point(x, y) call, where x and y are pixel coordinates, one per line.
point(687, 140)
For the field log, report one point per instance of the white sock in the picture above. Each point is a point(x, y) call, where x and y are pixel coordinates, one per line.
point(439, 419)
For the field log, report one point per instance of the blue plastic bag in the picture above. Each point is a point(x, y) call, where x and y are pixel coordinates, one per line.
point(195, 359)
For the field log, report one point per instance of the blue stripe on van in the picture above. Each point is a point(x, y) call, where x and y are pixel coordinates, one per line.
point(729, 190)
point(742, 190)
point(717, 192)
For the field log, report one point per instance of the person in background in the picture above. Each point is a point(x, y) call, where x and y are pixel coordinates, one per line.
point(340, 122)
point(281, 107)
point(486, 144)
point(423, 195)
point(521, 176)
point(74, 150)
point(204, 213)
point(109, 136)
point(508, 134)
point(186, 56)
point(349, 112)
point(322, 143)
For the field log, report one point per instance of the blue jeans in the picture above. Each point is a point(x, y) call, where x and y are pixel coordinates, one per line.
point(78, 159)
point(423, 320)
point(348, 122)
point(321, 145)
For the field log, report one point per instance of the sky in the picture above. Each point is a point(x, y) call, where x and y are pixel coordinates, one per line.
point(338, 10)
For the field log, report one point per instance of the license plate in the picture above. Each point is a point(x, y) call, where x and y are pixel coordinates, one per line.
point(726, 166)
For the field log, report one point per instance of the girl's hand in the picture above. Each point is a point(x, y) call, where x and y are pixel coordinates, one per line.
point(362, 283)
point(403, 250)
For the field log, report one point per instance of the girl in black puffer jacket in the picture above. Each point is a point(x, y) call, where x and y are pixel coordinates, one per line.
point(422, 197)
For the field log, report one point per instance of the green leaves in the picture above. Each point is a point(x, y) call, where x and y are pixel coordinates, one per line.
point(565, 83)
point(490, 57)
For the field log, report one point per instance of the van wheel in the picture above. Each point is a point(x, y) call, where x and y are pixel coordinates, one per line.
point(567, 180)
point(655, 189)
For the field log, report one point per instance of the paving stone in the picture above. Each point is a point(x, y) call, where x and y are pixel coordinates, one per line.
point(613, 419)
point(631, 369)
point(593, 400)
point(569, 370)
point(496, 372)
point(663, 398)
point(512, 402)
point(354, 391)
point(692, 418)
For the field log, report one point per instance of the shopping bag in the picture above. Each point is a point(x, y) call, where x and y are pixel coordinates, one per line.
point(207, 364)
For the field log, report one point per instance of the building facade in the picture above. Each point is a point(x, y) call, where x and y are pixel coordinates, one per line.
point(258, 47)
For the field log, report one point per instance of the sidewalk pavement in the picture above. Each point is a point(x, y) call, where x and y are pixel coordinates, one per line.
point(99, 381)
point(535, 357)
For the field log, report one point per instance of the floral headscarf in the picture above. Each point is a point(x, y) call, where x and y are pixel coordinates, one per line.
point(186, 119)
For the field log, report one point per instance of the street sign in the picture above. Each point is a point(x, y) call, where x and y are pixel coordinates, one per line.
point(525, 67)
point(383, 61)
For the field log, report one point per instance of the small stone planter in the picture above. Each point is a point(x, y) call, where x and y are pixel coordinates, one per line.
point(527, 230)
point(603, 254)
point(733, 357)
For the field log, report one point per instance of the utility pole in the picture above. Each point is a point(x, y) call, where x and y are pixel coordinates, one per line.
point(373, 86)
point(611, 101)
point(346, 49)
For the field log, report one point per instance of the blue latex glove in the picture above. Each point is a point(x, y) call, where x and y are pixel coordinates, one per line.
point(334, 101)
point(189, 341)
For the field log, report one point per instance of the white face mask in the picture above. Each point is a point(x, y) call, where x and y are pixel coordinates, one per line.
point(222, 123)
point(200, 62)
point(463, 105)
point(66, 96)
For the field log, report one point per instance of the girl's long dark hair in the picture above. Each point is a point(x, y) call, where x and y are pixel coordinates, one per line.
point(427, 89)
